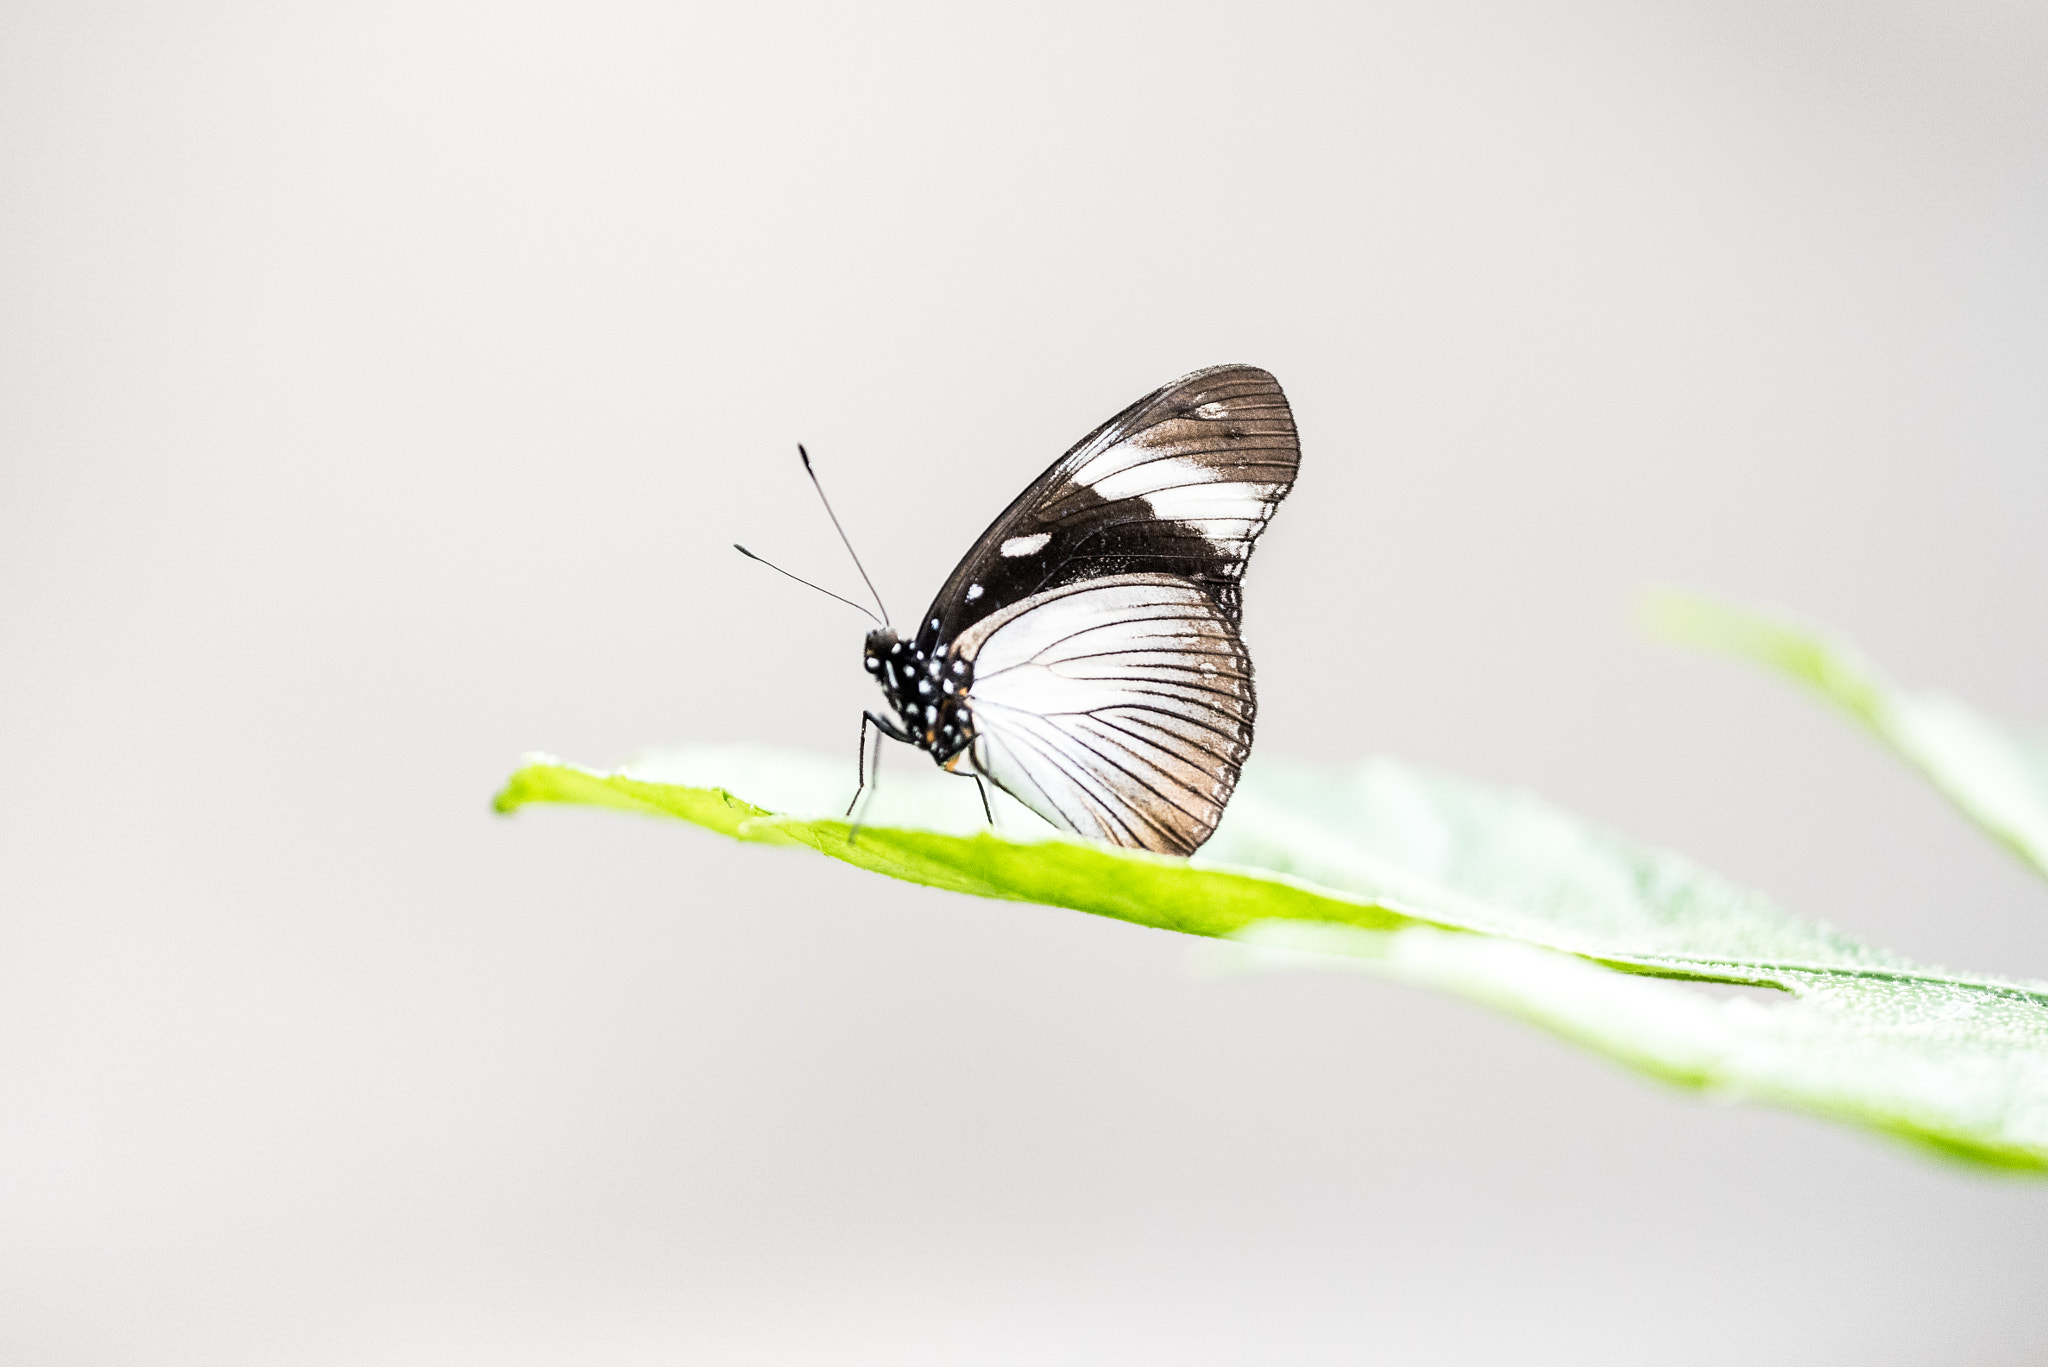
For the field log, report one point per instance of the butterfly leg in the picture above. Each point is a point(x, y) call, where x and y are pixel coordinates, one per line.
point(986, 810)
point(860, 764)
point(894, 732)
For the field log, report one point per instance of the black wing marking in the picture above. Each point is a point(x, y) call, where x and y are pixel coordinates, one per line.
point(1119, 708)
point(1180, 483)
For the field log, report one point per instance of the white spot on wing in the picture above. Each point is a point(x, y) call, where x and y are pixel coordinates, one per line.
point(973, 592)
point(1025, 545)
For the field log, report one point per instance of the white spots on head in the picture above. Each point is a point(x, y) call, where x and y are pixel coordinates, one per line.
point(973, 592)
point(924, 686)
point(1023, 545)
point(873, 664)
point(959, 666)
point(931, 713)
point(936, 662)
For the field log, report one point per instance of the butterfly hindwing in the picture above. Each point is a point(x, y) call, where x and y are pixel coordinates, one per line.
point(1119, 708)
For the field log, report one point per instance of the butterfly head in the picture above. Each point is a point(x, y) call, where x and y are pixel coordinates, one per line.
point(880, 642)
point(927, 687)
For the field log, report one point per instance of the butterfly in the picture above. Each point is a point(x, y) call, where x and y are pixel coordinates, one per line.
point(1084, 655)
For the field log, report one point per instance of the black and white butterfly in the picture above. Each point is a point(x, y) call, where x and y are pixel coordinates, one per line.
point(1084, 656)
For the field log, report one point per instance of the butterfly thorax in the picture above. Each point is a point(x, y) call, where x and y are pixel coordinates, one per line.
point(926, 686)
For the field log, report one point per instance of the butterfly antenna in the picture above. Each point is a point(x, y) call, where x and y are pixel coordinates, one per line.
point(807, 583)
point(843, 538)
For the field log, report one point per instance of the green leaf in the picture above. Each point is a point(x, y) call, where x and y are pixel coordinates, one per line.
point(1488, 894)
point(1996, 778)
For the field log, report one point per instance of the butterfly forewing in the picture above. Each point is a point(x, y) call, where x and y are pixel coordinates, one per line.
point(1179, 483)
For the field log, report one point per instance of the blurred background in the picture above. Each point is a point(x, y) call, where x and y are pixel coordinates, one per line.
point(381, 387)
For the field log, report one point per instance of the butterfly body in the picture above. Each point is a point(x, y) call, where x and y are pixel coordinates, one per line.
point(926, 687)
point(1084, 655)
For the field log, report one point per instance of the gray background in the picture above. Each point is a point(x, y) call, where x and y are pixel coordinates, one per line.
point(383, 385)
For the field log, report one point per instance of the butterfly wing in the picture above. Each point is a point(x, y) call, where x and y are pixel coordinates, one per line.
point(1181, 483)
point(1119, 708)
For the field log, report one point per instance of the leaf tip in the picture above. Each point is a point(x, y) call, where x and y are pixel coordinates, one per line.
point(519, 788)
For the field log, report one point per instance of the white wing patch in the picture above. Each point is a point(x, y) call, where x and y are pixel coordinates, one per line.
point(1219, 468)
point(1025, 545)
point(1118, 708)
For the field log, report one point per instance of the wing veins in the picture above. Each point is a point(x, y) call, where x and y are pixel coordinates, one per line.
point(1190, 719)
point(1193, 762)
point(1105, 799)
point(1142, 782)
